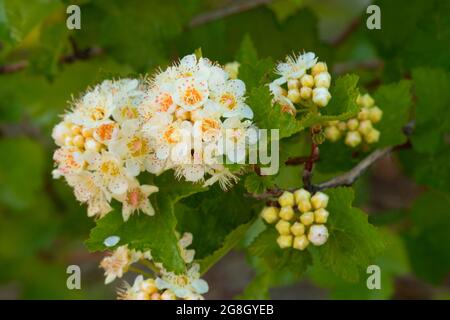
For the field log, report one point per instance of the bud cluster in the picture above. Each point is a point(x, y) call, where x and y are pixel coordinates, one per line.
point(300, 220)
point(359, 129)
point(303, 82)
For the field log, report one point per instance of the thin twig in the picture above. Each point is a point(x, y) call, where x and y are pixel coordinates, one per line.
point(235, 7)
point(309, 166)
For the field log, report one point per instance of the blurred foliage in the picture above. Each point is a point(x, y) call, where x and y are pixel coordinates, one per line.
point(43, 65)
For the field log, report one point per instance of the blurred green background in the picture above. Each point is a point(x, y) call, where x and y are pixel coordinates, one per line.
point(43, 64)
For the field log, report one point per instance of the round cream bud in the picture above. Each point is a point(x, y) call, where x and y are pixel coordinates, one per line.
point(68, 141)
point(307, 218)
point(353, 138)
point(300, 243)
point(319, 200)
point(318, 234)
point(372, 136)
point(305, 93)
point(168, 295)
point(92, 145)
point(352, 124)
point(141, 296)
point(307, 80)
point(342, 126)
point(333, 123)
point(87, 132)
point(232, 68)
point(367, 101)
point(286, 213)
point(294, 95)
point(321, 96)
point(318, 68)
point(75, 129)
point(301, 194)
point(321, 215)
point(375, 114)
point(332, 133)
point(284, 241)
point(59, 134)
point(322, 80)
point(293, 84)
point(286, 199)
point(155, 296)
point(304, 205)
point(270, 214)
point(283, 227)
point(363, 114)
point(298, 229)
point(78, 141)
point(365, 127)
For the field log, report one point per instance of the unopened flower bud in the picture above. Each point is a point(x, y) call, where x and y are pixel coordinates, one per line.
point(342, 126)
point(321, 96)
point(363, 114)
point(286, 199)
point(321, 215)
point(78, 141)
point(353, 138)
point(87, 132)
point(375, 114)
point(75, 129)
point(301, 242)
point(367, 101)
point(301, 194)
point(332, 133)
point(318, 234)
point(286, 213)
point(322, 80)
point(285, 241)
point(270, 214)
point(306, 93)
point(283, 227)
point(318, 68)
point(168, 295)
point(365, 127)
point(352, 124)
point(294, 95)
point(68, 141)
point(372, 136)
point(307, 218)
point(92, 145)
point(232, 68)
point(319, 200)
point(298, 229)
point(304, 205)
point(307, 80)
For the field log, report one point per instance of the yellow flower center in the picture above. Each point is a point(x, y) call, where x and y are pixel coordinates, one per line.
point(110, 168)
point(138, 146)
point(228, 100)
point(192, 96)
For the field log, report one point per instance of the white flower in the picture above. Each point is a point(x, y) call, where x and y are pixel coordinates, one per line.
point(185, 286)
point(223, 175)
point(295, 66)
point(118, 263)
point(318, 234)
point(136, 199)
point(69, 160)
point(230, 97)
point(183, 243)
point(132, 146)
point(87, 191)
point(108, 171)
point(235, 137)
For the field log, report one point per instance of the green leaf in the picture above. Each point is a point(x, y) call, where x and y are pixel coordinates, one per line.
point(271, 117)
point(247, 52)
point(156, 233)
point(432, 116)
point(395, 101)
point(19, 17)
point(258, 184)
point(428, 239)
point(283, 9)
point(21, 172)
point(353, 243)
point(217, 220)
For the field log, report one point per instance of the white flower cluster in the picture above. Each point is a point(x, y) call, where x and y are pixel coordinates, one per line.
point(298, 228)
point(166, 285)
point(188, 118)
point(303, 82)
point(359, 129)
